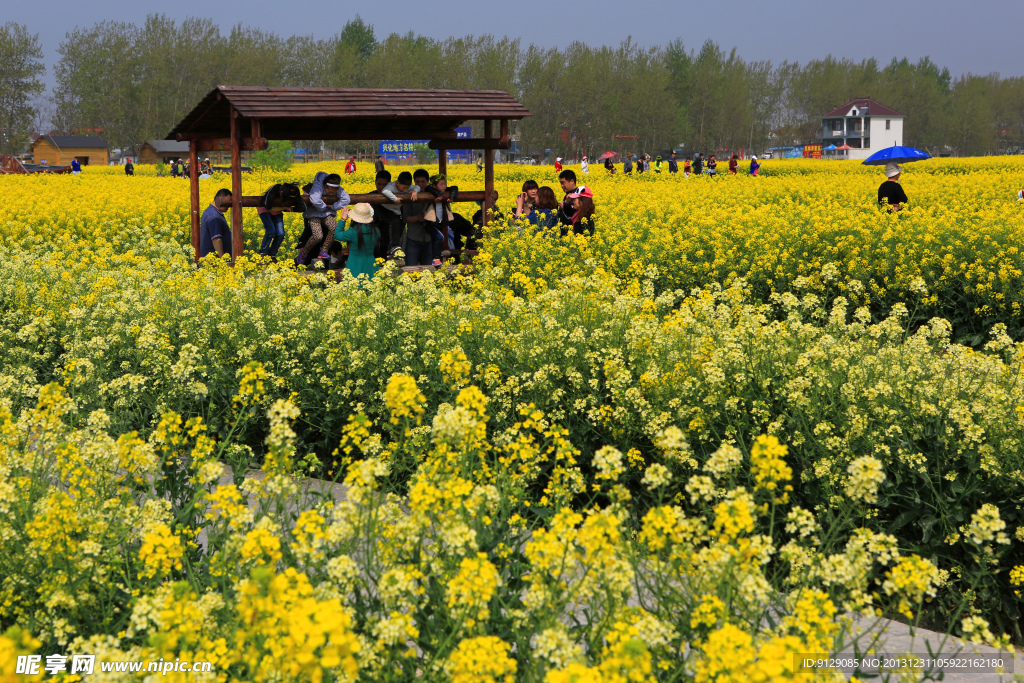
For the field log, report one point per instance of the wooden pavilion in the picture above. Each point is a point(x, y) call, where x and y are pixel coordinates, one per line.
point(236, 118)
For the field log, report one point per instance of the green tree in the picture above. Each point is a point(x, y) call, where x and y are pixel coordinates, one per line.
point(97, 83)
point(972, 121)
point(358, 35)
point(22, 59)
point(277, 156)
point(424, 154)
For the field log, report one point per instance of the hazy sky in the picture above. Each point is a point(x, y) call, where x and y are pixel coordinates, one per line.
point(980, 36)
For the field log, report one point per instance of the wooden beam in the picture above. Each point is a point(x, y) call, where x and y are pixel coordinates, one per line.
point(470, 143)
point(442, 162)
point(236, 185)
point(193, 184)
point(224, 144)
point(488, 173)
point(253, 201)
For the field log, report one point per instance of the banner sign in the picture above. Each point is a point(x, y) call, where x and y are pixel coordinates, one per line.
point(400, 148)
point(812, 151)
point(407, 148)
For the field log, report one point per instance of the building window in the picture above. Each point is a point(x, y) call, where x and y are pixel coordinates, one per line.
point(887, 122)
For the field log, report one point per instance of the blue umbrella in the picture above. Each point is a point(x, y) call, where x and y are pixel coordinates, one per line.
point(895, 155)
point(830, 147)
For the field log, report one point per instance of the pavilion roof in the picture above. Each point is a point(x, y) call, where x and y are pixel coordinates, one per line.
point(344, 113)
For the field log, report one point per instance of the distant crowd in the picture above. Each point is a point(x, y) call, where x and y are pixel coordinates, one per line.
point(697, 164)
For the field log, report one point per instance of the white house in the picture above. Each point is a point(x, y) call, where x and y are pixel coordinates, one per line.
point(864, 125)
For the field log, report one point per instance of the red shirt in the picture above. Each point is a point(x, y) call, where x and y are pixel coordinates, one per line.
point(732, 165)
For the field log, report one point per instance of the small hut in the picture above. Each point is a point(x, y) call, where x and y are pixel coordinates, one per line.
point(165, 151)
point(60, 150)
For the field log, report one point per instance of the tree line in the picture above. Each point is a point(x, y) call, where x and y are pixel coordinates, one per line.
point(136, 81)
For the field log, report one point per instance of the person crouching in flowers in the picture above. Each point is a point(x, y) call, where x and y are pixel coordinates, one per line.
point(362, 237)
point(583, 218)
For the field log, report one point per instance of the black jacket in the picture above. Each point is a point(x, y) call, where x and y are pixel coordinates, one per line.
point(274, 197)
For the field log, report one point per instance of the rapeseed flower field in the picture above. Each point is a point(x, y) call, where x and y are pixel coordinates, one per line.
point(743, 421)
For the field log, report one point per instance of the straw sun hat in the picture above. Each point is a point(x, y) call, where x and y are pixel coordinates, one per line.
point(361, 213)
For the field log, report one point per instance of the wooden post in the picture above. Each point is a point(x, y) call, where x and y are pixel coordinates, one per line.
point(193, 183)
point(488, 172)
point(236, 186)
point(442, 162)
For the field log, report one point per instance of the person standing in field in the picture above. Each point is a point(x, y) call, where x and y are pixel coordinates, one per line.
point(627, 166)
point(322, 216)
point(271, 212)
point(567, 179)
point(526, 199)
point(214, 232)
point(543, 214)
point(381, 216)
point(734, 164)
point(421, 183)
point(129, 168)
point(76, 167)
point(585, 165)
point(558, 164)
point(378, 166)
point(698, 165)
point(687, 167)
point(399, 186)
point(657, 164)
point(582, 221)
point(673, 165)
point(755, 165)
point(479, 162)
point(890, 193)
point(350, 167)
point(712, 164)
point(361, 236)
point(438, 215)
point(418, 242)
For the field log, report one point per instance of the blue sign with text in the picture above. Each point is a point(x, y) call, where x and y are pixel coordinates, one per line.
point(407, 148)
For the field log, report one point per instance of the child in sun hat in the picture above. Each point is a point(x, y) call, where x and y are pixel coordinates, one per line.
point(362, 236)
point(558, 164)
